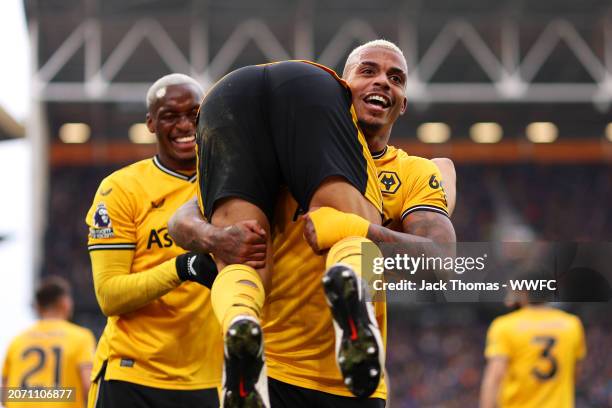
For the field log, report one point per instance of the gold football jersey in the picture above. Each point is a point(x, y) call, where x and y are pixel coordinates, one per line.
point(49, 354)
point(298, 327)
point(408, 184)
point(542, 346)
point(174, 342)
point(297, 323)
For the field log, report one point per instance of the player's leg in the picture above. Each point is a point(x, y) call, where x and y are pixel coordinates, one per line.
point(237, 296)
point(359, 335)
point(321, 152)
point(326, 163)
point(360, 345)
point(338, 193)
point(229, 211)
point(238, 181)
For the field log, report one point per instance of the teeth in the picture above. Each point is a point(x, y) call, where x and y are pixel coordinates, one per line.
point(377, 98)
point(185, 139)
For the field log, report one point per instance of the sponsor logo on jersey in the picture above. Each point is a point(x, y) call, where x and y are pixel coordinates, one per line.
point(389, 182)
point(159, 238)
point(102, 224)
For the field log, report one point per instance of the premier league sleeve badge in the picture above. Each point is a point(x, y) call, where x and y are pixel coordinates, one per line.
point(102, 224)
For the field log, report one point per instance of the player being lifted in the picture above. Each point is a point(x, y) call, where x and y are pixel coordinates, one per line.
point(260, 127)
point(52, 353)
point(160, 346)
point(297, 323)
point(533, 355)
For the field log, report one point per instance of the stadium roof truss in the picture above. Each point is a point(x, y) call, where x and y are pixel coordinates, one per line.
point(510, 71)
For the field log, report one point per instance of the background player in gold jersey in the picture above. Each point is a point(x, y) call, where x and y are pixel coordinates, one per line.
point(52, 353)
point(161, 345)
point(297, 323)
point(533, 356)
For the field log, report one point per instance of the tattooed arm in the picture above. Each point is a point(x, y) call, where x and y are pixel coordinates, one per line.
point(418, 227)
point(243, 242)
point(426, 229)
point(424, 232)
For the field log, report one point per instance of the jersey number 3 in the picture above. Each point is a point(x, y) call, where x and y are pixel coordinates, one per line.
point(548, 342)
point(41, 358)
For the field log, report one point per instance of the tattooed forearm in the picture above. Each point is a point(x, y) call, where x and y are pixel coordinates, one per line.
point(189, 229)
point(419, 227)
point(432, 225)
point(380, 234)
point(424, 232)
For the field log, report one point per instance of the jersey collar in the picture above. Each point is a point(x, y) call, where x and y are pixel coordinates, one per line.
point(173, 173)
point(378, 155)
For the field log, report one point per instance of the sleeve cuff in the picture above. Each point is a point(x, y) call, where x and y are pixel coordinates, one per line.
point(117, 246)
point(424, 207)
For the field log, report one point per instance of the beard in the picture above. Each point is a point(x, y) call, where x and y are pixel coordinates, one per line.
point(369, 128)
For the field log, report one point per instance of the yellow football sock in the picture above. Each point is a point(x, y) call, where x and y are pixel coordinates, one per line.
point(351, 251)
point(359, 253)
point(332, 225)
point(237, 290)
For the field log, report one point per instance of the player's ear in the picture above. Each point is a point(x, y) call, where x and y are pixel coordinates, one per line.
point(67, 305)
point(404, 105)
point(150, 125)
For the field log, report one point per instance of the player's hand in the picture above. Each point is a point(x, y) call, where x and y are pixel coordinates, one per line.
point(241, 243)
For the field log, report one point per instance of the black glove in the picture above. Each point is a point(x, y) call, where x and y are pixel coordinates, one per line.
point(196, 267)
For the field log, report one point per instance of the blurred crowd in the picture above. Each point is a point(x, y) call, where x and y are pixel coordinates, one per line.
point(562, 203)
point(431, 363)
point(557, 203)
